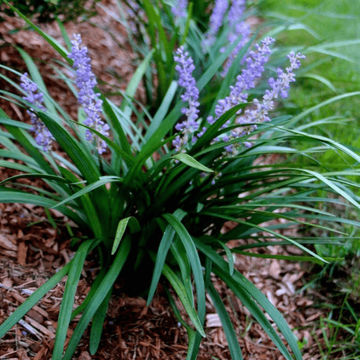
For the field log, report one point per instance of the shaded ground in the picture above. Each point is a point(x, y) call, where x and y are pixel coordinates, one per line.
point(31, 249)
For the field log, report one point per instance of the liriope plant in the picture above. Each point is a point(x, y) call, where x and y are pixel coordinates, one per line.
point(152, 191)
point(207, 27)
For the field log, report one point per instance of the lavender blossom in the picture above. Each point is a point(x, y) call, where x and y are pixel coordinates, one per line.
point(279, 88)
point(216, 21)
point(238, 29)
point(180, 10)
point(236, 11)
point(260, 112)
point(255, 62)
point(185, 66)
point(87, 97)
point(43, 136)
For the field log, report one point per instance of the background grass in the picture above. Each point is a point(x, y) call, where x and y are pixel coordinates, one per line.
point(334, 23)
point(335, 26)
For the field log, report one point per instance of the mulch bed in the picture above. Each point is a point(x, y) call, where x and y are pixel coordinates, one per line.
point(32, 248)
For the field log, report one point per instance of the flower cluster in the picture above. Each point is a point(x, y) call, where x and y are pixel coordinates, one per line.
point(260, 110)
point(279, 87)
point(255, 62)
point(236, 11)
point(180, 10)
point(216, 21)
point(185, 66)
point(248, 79)
point(87, 97)
point(43, 137)
point(238, 30)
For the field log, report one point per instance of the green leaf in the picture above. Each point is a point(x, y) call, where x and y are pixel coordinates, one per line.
point(99, 183)
point(109, 111)
point(296, 118)
point(230, 333)
point(17, 196)
point(245, 290)
point(194, 260)
point(190, 161)
point(94, 286)
point(332, 185)
point(162, 111)
point(97, 324)
point(16, 166)
point(64, 34)
point(56, 46)
point(194, 337)
point(246, 298)
point(135, 81)
point(35, 176)
point(321, 79)
point(266, 229)
point(229, 256)
point(98, 297)
point(74, 150)
point(29, 303)
point(19, 124)
point(181, 292)
point(69, 297)
point(162, 252)
point(123, 223)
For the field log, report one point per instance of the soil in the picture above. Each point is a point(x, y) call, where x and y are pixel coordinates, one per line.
point(34, 244)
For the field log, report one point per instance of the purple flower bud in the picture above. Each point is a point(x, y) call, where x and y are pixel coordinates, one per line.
point(250, 75)
point(185, 66)
point(43, 136)
point(87, 97)
point(279, 88)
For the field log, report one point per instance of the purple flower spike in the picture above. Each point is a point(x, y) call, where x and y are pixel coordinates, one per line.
point(43, 136)
point(250, 75)
point(185, 66)
point(216, 21)
point(180, 10)
point(236, 11)
point(87, 97)
point(279, 88)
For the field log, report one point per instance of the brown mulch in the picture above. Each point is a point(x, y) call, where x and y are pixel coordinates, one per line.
point(32, 247)
point(30, 254)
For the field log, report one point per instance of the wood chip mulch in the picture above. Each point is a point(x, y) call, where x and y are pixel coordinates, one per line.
point(34, 245)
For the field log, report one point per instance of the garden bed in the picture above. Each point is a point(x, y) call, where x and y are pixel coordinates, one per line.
point(35, 243)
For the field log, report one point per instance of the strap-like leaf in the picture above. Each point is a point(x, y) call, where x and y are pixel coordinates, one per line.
point(97, 324)
point(190, 161)
point(68, 298)
point(230, 334)
point(120, 231)
point(248, 293)
point(98, 297)
point(194, 260)
point(29, 303)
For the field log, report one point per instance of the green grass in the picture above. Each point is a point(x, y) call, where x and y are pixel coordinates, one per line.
point(333, 68)
point(336, 27)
